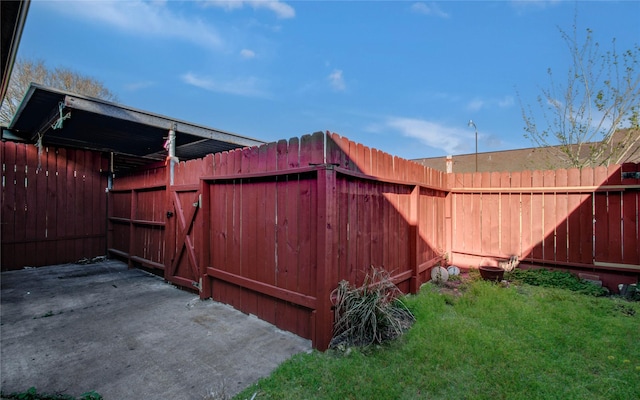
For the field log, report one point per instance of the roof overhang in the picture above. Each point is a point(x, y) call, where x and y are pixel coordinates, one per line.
point(13, 15)
point(65, 119)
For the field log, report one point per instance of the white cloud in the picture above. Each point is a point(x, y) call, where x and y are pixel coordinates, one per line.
point(506, 102)
point(246, 53)
point(337, 80)
point(249, 86)
point(142, 18)
point(429, 9)
point(452, 140)
point(525, 5)
point(281, 9)
point(478, 104)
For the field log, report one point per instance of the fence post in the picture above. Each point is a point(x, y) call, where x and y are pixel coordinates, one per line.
point(205, 240)
point(414, 235)
point(326, 250)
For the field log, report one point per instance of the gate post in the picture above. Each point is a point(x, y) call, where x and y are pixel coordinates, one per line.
point(205, 240)
point(327, 262)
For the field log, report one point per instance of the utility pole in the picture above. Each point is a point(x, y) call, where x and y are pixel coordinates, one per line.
point(471, 123)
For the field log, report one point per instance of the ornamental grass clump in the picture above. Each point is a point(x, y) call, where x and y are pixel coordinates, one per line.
point(369, 314)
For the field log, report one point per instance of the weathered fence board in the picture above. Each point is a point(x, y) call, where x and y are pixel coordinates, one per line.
point(53, 205)
point(273, 212)
point(276, 227)
point(582, 218)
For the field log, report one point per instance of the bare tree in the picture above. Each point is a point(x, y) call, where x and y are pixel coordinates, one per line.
point(593, 119)
point(27, 71)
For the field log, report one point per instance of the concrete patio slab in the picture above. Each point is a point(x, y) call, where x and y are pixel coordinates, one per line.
point(128, 334)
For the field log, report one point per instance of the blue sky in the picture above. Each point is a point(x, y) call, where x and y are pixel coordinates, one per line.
point(404, 77)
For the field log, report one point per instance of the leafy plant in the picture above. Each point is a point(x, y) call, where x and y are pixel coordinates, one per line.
point(555, 279)
point(371, 313)
point(586, 115)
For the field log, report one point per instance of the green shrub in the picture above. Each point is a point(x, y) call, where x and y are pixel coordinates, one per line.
point(555, 279)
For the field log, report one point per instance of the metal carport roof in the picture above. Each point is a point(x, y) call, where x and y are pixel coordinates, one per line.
point(61, 118)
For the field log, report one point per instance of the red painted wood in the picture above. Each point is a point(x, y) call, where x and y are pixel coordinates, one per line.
point(267, 307)
point(31, 207)
point(537, 216)
point(377, 223)
point(228, 294)
point(573, 207)
point(265, 219)
point(615, 216)
point(306, 217)
point(402, 262)
point(515, 232)
point(470, 214)
point(20, 231)
point(586, 219)
point(526, 230)
point(9, 256)
point(327, 243)
point(630, 218)
point(506, 224)
point(602, 221)
point(39, 181)
point(367, 221)
point(341, 228)
point(39, 235)
point(493, 211)
point(254, 217)
point(550, 218)
point(562, 229)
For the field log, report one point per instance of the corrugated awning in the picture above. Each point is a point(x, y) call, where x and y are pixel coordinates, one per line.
point(66, 119)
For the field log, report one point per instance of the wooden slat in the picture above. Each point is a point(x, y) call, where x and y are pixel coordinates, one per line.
point(561, 246)
point(549, 217)
point(515, 234)
point(573, 207)
point(10, 258)
point(537, 217)
point(31, 207)
point(630, 220)
point(586, 219)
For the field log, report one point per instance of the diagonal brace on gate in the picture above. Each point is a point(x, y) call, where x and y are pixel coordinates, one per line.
point(186, 218)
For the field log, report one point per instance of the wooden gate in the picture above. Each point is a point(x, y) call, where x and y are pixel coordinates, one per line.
point(184, 225)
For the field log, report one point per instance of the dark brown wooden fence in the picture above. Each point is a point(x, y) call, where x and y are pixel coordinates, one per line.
point(53, 205)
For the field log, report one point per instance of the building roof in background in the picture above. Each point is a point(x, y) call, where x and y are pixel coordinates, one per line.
point(138, 137)
point(534, 158)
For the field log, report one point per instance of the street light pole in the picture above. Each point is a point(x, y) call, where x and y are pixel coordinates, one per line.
point(471, 123)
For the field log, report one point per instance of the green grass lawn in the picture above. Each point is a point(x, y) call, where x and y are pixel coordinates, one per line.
point(492, 342)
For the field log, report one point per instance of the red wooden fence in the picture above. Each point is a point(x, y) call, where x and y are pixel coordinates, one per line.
point(284, 223)
point(574, 218)
point(136, 221)
point(53, 205)
point(271, 230)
